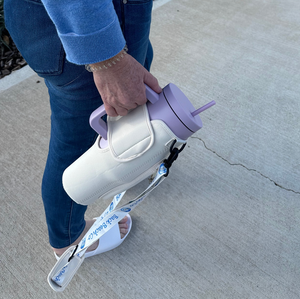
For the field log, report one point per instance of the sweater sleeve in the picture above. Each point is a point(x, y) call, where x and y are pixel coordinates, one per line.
point(89, 30)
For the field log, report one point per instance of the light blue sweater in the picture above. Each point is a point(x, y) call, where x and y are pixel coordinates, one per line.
point(89, 29)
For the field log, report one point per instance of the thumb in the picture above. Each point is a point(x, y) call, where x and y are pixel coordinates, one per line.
point(152, 82)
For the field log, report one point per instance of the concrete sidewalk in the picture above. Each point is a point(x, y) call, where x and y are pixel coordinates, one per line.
point(226, 222)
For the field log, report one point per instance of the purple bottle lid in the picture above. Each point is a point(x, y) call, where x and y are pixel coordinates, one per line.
point(182, 107)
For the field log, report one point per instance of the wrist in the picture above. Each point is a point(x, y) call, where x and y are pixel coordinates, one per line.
point(106, 64)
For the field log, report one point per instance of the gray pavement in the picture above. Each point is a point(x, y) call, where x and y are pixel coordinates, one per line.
point(226, 222)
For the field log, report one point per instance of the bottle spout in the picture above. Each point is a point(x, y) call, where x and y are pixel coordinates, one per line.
point(203, 108)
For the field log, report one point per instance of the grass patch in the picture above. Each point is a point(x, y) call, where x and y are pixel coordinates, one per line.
point(10, 57)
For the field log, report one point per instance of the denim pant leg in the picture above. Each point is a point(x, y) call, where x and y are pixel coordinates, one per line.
point(135, 18)
point(71, 135)
point(73, 96)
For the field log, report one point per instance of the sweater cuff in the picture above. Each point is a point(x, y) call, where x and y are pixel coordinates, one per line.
point(95, 47)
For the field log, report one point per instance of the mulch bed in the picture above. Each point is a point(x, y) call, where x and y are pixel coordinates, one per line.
point(10, 58)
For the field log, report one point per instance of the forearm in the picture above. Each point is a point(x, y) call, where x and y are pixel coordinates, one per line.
point(89, 30)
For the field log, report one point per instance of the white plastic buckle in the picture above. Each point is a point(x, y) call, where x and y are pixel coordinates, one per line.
point(64, 270)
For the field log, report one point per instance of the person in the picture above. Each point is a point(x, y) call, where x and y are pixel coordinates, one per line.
point(58, 39)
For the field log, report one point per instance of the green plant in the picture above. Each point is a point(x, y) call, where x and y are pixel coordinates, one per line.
point(3, 32)
point(10, 57)
point(1, 15)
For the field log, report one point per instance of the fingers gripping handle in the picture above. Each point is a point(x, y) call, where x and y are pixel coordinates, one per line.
point(100, 126)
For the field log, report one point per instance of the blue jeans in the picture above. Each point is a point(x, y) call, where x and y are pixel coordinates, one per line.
point(73, 97)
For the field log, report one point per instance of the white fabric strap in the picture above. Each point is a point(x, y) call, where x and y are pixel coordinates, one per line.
point(70, 261)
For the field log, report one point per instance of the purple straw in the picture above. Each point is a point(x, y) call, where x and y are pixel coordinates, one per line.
point(203, 108)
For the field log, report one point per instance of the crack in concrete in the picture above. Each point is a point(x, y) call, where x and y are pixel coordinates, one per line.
point(249, 169)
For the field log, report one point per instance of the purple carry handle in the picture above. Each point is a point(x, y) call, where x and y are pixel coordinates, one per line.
point(97, 123)
point(100, 126)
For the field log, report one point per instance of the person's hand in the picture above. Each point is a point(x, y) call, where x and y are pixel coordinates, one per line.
point(122, 86)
